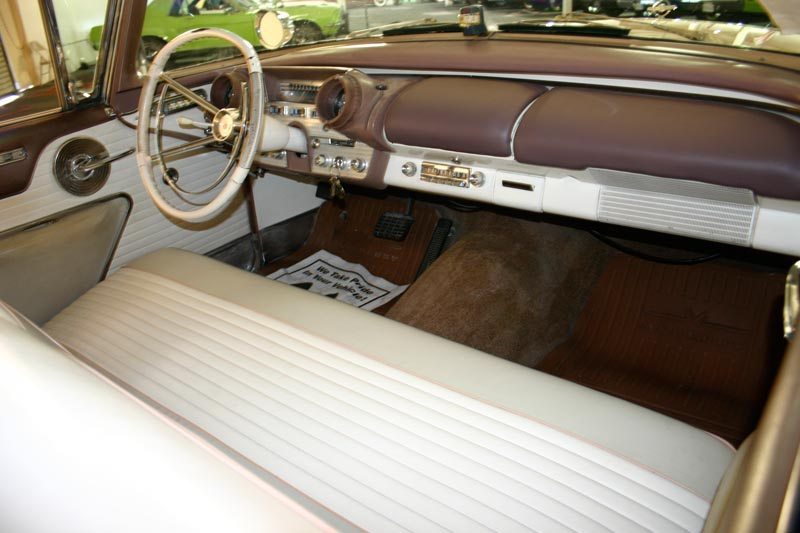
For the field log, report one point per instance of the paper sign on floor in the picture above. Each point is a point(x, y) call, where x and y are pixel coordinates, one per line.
point(330, 275)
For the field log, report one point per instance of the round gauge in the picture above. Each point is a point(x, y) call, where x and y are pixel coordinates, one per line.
point(337, 100)
point(226, 90)
point(338, 103)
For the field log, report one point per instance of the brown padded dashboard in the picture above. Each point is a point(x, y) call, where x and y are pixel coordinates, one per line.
point(460, 114)
point(705, 166)
point(562, 127)
point(669, 137)
point(721, 67)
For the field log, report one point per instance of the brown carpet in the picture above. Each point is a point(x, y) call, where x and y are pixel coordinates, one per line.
point(347, 232)
point(508, 286)
point(699, 343)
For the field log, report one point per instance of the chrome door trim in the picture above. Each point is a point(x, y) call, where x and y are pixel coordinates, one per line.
point(61, 74)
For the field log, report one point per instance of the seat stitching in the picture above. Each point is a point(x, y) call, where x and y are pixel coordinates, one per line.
point(237, 311)
point(418, 436)
point(111, 325)
point(186, 425)
point(160, 305)
point(233, 429)
point(661, 496)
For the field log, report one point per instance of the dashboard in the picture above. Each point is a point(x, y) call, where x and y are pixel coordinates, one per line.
point(718, 169)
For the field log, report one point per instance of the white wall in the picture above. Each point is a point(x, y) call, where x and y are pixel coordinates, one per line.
point(278, 199)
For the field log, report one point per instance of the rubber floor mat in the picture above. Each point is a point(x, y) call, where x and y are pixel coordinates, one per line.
point(699, 343)
point(348, 233)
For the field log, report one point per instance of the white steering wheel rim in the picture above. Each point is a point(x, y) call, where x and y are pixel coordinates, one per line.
point(249, 147)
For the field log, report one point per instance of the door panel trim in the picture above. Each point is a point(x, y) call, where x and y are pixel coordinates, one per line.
point(34, 135)
point(148, 229)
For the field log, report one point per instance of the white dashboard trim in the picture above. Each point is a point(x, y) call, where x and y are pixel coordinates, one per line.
point(775, 228)
point(705, 211)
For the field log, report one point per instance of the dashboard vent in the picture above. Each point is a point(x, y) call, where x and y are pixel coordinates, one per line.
point(716, 220)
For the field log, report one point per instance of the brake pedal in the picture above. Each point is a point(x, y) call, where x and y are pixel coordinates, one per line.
point(393, 226)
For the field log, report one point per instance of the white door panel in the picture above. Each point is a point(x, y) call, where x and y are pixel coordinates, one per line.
point(148, 229)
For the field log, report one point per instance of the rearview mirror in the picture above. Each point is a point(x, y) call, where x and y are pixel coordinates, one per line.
point(274, 29)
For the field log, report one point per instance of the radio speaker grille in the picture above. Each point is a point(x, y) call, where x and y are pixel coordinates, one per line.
point(717, 220)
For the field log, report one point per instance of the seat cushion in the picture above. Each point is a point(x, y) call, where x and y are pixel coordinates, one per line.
point(379, 424)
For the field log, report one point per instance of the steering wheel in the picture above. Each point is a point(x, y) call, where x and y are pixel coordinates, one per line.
point(240, 128)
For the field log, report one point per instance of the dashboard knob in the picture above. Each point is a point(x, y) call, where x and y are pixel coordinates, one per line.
point(409, 169)
point(477, 179)
point(358, 165)
point(340, 162)
point(315, 143)
point(322, 160)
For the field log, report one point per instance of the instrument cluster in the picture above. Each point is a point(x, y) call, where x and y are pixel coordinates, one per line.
point(304, 104)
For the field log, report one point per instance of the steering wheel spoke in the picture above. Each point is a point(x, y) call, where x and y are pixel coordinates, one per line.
point(201, 102)
point(182, 148)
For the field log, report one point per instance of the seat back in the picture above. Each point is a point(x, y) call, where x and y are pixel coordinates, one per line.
point(79, 454)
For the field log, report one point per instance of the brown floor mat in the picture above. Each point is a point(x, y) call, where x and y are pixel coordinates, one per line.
point(698, 343)
point(510, 287)
point(348, 234)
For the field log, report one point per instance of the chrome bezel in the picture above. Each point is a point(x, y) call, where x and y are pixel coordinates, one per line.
point(286, 23)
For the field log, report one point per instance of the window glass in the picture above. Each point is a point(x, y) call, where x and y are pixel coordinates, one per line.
point(313, 20)
point(80, 26)
point(26, 70)
point(28, 75)
point(738, 23)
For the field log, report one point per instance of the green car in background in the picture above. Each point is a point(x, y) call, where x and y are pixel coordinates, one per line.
point(313, 20)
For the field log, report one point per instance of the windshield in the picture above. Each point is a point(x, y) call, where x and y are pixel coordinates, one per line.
point(739, 23)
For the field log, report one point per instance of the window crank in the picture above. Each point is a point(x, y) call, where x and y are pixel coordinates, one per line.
point(93, 164)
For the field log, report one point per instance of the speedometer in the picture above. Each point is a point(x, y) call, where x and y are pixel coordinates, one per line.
point(338, 103)
point(332, 98)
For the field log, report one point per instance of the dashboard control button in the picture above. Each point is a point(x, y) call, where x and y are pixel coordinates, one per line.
point(358, 165)
point(315, 143)
point(323, 160)
point(409, 169)
point(477, 179)
point(340, 162)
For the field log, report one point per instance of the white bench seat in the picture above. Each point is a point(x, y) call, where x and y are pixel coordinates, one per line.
point(370, 424)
